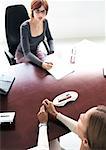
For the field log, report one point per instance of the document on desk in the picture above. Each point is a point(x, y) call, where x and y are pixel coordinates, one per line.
point(60, 67)
point(7, 117)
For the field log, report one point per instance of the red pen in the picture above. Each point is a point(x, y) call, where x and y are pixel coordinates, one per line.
point(67, 97)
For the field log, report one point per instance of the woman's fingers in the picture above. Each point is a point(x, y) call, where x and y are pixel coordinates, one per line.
point(45, 102)
point(47, 65)
point(42, 108)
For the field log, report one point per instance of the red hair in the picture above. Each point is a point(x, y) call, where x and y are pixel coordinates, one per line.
point(35, 4)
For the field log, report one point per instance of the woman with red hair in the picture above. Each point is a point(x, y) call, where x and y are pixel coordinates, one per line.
point(32, 33)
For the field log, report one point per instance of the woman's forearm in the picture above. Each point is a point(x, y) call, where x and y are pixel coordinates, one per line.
point(43, 137)
point(70, 123)
point(32, 58)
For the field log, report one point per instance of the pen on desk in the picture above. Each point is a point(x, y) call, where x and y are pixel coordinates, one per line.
point(60, 100)
point(4, 116)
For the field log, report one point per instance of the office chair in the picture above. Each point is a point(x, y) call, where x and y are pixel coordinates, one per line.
point(14, 16)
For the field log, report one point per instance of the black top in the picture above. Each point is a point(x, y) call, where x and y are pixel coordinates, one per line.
point(28, 44)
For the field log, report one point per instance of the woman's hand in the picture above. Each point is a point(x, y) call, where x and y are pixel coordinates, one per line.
point(42, 115)
point(47, 65)
point(50, 107)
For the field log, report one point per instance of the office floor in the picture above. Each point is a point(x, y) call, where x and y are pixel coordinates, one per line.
point(71, 42)
point(66, 44)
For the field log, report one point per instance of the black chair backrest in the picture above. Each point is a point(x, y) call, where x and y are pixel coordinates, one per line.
point(14, 16)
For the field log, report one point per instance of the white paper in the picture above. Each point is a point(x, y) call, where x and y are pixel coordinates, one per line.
point(60, 67)
point(7, 117)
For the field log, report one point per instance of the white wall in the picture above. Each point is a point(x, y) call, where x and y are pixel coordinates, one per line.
point(67, 18)
point(77, 18)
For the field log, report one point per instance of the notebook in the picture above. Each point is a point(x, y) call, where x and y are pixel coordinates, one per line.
point(60, 67)
point(6, 82)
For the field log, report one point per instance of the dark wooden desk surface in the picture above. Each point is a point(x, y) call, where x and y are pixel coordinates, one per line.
point(31, 86)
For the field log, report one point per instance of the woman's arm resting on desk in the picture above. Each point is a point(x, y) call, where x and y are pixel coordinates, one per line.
point(70, 123)
point(25, 43)
point(43, 143)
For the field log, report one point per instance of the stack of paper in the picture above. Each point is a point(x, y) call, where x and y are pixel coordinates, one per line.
point(7, 117)
point(60, 67)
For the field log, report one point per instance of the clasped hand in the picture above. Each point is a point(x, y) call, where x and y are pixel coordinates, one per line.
point(42, 115)
point(47, 107)
point(47, 65)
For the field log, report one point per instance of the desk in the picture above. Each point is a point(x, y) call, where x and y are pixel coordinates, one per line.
point(31, 86)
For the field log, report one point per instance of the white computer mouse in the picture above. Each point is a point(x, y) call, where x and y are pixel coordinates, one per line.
point(64, 98)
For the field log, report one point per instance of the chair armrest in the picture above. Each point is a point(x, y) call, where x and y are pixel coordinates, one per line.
point(10, 58)
point(8, 54)
point(46, 46)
